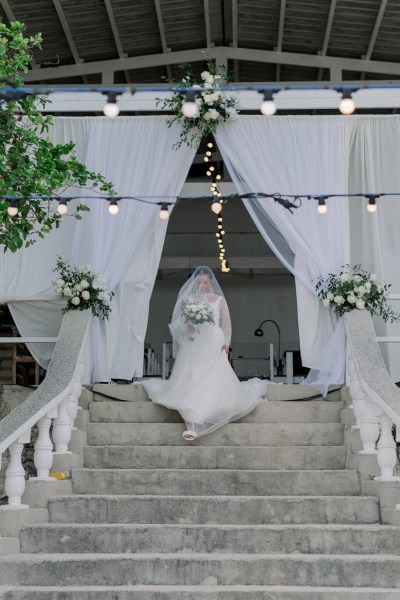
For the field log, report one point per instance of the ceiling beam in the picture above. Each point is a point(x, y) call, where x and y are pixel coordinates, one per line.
point(374, 35)
point(115, 32)
point(207, 23)
point(280, 36)
point(327, 36)
point(333, 63)
point(163, 38)
point(11, 17)
point(235, 36)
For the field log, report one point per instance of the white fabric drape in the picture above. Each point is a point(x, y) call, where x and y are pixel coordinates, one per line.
point(136, 155)
point(298, 155)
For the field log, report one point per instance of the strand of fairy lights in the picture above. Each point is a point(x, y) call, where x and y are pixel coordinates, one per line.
point(288, 201)
point(216, 207)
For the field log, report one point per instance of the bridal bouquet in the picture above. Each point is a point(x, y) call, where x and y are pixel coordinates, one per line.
point(214, 105)
point(196, 313)
point(83, 289)
point(353, 289)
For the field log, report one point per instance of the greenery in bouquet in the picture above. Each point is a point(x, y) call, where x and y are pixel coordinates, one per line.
point(197, 313)
point(214, 106)
point(83, 288)
point(356, 289)
point(30, 163)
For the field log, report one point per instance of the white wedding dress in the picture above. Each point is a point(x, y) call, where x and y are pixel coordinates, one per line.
point(203, 387)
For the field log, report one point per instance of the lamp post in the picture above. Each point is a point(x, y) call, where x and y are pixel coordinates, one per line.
point(259, 333)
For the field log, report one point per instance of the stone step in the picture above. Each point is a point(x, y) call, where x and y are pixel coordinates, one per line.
point(201, 569)
point(266, 412)
point(271, 539)
point(215, 457)
point(233, 434)
point(197, 592)
point(187, 482)
point(214, 509)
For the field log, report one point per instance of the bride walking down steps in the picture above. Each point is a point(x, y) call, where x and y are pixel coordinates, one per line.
point(262, 508)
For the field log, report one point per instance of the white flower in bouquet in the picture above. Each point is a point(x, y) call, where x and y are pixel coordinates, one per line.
point(207, 77)
point(199, 102)
point(84, 284)
point(373, 277)
point(344, 277)
point(67, 291)
point(368, 286)
point(330, 296)
point(85, 295)
point(60, 282)
point(351, 298)
point(83, 268)
point(326, 302)
point(360, 303)
point(75, 300)
point(361, 290)
point(338, 300)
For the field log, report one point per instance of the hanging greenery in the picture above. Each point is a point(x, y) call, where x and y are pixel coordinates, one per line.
point(30, 164)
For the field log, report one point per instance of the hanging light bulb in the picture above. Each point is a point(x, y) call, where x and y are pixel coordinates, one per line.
point(220, 219)
point(190, 110)
point(212, 168)
point(216, 207)
point(268, 106)
point(210, 145)
point(113, 207)
point(111, 108)
point(347, 105)
point(164, 212)
point(208, 173)
point(372, 206)
point(206, 159)
point(218, 177)
point(62, 207)
point(12, 209)
point(208, 153)
point(218, 235)
point(322, 207)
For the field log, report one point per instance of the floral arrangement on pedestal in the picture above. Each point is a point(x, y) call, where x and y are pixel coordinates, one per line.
point(213, 105)
point(355, 289)
point(83, 288)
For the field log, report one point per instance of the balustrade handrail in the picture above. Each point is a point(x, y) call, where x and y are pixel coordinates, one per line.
point(369, 364)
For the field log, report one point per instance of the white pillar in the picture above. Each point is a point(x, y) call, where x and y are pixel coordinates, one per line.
point(62, 429)
point(15, 475)
point(43, 457)
point(387, 455)
point(369, 428)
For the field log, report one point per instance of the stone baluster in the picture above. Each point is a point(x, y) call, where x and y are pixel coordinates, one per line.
point(357, 394)
point(369, 429)
point(62, 428)
point(43, 457)
point(387, 455)
point(15, 475)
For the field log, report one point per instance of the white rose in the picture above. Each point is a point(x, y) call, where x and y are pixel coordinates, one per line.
point(75, 301)
point(85, 295)
point(344, 277)
point(60, 282)
point(360, 304)
point(361, 290)
point(368, 286)
point(210, 79)
point(199, 102)
point(78, 287)
point(81, 268)
point(84, 284)
point(216, 96)
point(373, 277)
point(338, 299)
point(196, 86)
point(67, 291)
point(209, 98)
point(212, 114)
point(329, 296)
point(379, 288)
point(198, 317)
point(232, 112)
point(357, 278)
point(326, 302)
point(351, 299)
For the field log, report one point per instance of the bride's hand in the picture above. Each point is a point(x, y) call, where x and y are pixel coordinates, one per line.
point(225, 348)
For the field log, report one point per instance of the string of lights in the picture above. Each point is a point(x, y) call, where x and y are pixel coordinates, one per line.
point(216, 207)
point(269, 94)
point(288, 201)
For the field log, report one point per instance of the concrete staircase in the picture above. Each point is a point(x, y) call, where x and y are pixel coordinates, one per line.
point(261, 509)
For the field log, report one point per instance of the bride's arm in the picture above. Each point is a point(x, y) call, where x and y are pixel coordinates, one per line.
point(226, 324)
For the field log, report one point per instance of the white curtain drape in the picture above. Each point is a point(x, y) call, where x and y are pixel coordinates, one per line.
point(298, 155)
point(136, 155)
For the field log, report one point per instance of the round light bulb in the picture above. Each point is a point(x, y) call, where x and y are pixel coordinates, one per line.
point(113, 208)
point(164, 214)
point(62, 208)
point(222, 232)
point(210, 145)
point(218, 235)
point(206, 159)
point(212, 168)
point(208, 153)
point(190, 110)
point(208, 173)
point(220, 227)
point(111, 110)
point(347, 106)
point(218, 177)
point(268, 108)
point(220, 219)
point(322, 209)
point(371, 207)
point(12, 210)
point(227, 269)
point(216, 207)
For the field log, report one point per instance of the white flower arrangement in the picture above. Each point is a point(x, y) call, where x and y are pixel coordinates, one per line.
point(83, 288)
point(215, 106)
point(196, 313)
point(356, 289)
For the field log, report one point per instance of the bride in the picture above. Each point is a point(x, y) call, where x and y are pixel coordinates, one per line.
point(202, 386)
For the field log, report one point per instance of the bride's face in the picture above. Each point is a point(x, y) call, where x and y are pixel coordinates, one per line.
point(203, 283)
